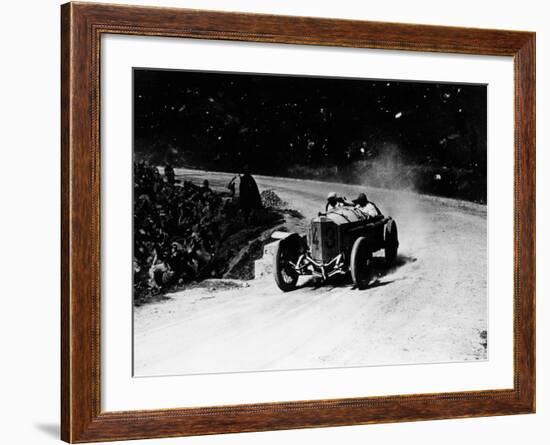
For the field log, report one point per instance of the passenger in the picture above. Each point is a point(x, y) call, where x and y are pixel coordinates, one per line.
point(334, 201)
point(369, 209)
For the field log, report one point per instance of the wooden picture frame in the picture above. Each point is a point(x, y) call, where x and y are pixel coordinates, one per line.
point(82, 25)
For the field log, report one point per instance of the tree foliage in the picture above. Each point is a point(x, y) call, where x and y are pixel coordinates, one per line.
point(271, 123)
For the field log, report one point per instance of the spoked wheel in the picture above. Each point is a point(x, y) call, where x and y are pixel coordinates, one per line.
point(361, 263)
point(285, 276)
point(391, 242)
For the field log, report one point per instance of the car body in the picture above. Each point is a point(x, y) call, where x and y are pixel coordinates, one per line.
point(339, 241)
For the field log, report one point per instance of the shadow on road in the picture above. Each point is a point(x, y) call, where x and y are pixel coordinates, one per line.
point(378, 284)
point(380, 270)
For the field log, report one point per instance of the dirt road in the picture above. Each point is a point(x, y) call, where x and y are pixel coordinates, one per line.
point(430, 307)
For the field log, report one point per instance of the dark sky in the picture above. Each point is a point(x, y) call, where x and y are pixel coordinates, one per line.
point(222, 120)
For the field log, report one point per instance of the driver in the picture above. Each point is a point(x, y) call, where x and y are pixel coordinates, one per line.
point(334, 201)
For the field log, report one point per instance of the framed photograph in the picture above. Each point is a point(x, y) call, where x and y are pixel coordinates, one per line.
point(275, 222)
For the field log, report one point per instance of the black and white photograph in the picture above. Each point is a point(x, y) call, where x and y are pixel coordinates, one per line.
point(277, 221)
point(285, 222)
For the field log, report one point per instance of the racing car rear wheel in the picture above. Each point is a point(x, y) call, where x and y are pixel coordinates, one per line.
point(361, 263)
point(391, 242)
point(285, 276)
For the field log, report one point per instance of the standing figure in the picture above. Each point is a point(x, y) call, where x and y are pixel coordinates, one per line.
point(249, 195)
point(169, 174)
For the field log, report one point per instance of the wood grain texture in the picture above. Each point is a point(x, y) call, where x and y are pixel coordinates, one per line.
point(82, 26)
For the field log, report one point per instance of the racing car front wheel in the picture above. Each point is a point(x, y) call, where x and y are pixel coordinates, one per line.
point(361, 263)
point(285, 275)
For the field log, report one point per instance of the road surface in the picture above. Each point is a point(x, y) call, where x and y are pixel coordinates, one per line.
point(431, 307)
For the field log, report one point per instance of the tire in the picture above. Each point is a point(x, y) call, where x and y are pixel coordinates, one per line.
point(285, 277)
point(361, 263)
point(391, 242)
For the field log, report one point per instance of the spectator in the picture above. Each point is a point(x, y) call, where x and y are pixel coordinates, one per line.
point(169, 174)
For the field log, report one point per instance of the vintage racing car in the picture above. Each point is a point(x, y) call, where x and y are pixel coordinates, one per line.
point(338, 241)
